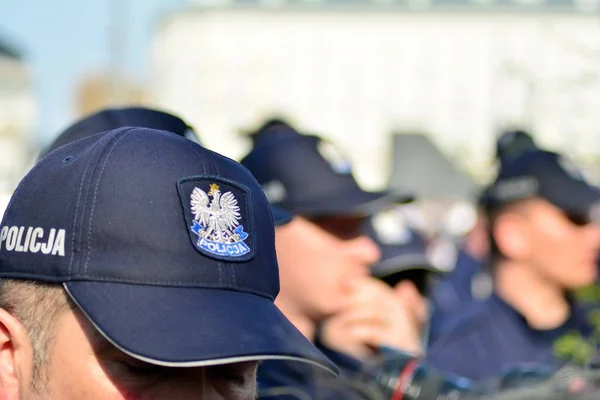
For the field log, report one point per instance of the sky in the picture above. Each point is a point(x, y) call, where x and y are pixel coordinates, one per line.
point(66, 40)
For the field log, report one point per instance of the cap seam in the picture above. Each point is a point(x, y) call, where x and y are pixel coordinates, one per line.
point(20, 185)
point(174, 284)
point(205, 169)
point(95, 147)
point(219, 263)
point(233, 275)
point(90, 224)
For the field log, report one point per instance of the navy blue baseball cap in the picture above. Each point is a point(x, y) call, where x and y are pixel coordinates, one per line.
point(166, 247)
point(308, 176)
point(113, 118)
point(402, 247)
point(548, 175)
point(513, 143)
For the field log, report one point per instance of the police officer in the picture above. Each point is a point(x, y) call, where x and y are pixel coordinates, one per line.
point(405, 266)
point(469, 282)
point(544, 244)
point(324, 257)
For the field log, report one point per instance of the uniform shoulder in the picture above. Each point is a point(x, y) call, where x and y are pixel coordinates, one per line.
point(462, 347)
point(469, 319)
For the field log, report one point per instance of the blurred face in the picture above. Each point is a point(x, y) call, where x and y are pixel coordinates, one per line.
point(83, 365)
point(562, 248)
point(319, 261)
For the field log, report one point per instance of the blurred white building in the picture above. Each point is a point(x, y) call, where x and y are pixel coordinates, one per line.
point(356, 70)
point(17, 119)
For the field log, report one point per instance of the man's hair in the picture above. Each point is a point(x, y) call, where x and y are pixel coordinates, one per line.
point(495, 253)
point(37, 306)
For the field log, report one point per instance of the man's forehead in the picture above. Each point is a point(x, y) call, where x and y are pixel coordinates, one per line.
point(539, 210)
point(528, 208)
point(523, 206)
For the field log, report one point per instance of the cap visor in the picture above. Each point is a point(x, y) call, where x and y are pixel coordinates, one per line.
point(192, 327)
point(579, 198)
point(281, 216)
point(355, 202)
point(401, 263)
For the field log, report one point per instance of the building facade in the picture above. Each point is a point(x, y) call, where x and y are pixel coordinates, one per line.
point(356, 71)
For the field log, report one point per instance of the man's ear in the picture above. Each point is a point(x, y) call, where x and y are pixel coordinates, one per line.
point(16, 357)
point(511, 237)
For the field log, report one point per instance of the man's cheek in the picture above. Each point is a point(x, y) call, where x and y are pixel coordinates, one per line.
point(553, 229)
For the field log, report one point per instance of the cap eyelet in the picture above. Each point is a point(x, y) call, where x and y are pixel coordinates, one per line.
point(67, 159)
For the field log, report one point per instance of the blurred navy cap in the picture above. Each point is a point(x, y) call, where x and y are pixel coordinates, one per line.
point(281, 216)
point(402, 247)
point(551, 176)
point(513, 143)
point(114, 118)
point(167, 248)
point(257, 135)
point(308, 175)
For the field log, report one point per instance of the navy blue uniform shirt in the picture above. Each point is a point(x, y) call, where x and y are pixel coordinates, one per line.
point(453, 293)
point(491, 337)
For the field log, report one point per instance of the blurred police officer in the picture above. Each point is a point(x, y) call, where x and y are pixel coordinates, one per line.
point(544, 244)
point(406, 267)
point(468, 282)
point(112, 118)
point(324, 256)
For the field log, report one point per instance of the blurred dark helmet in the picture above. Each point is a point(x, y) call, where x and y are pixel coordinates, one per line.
point(513, 143)
point(113, 118)
point(309, 176)
point(257, 135)
point(550, 176)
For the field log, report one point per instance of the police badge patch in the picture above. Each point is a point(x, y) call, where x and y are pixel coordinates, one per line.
point(216, 216)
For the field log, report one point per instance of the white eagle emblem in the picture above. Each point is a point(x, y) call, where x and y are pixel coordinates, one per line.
point(216, 222)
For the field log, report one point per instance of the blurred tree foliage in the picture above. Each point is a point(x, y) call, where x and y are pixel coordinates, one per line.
point(590, 294)
point(573, 346)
